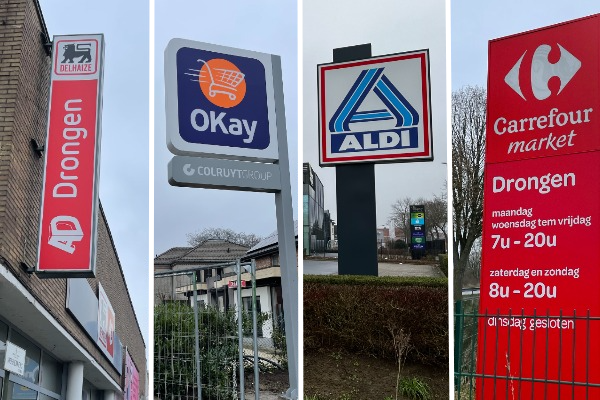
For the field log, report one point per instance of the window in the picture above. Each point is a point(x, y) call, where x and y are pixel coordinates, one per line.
point(247, 307)
point(275, 259)
point(32, 357)
point(39, 367)
point(16, 391)
point(3, 337)
point(51, 373)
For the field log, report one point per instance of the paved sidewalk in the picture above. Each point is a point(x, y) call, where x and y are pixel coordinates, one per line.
point(330, 267)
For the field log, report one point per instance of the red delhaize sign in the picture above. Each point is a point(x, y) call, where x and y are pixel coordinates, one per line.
point(539, 334)
point(67, 239)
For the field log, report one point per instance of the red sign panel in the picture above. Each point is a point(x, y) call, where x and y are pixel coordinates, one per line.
point(537, 338)
point(106, 323)
point(233, 284)
point(543, 92)
point(70, 195)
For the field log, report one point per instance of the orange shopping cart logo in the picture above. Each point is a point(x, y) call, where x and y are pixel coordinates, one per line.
point(221, 82)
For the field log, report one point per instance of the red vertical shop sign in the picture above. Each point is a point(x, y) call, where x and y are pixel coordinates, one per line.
point(538, 337)
point(67, 235)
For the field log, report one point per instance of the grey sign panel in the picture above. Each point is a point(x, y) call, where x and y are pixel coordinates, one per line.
point(82, 303)
point(213, 173)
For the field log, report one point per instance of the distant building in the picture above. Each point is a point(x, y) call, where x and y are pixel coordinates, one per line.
point(211, 290)
point(386, 236)
point(315, 231)
point(268, 280)
point(217, 286)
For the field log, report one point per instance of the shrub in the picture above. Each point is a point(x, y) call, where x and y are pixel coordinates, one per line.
point(358, 314)
point(444, 264)
point(400, 244)
point(415, 389)
point(174, 345)
point(280, 343)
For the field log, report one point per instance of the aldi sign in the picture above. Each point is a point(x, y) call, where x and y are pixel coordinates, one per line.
point(67, 234)
point(540, 272)
point(375, 110)
point(220, 102)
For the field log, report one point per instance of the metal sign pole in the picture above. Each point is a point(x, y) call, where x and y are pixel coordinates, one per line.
point(254, 330)
point(240, 329)
point(197, 338)
point(286, 236)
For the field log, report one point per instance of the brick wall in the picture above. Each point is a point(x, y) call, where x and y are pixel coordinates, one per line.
point(110, 274)
point(264, 262)
point(24, 88)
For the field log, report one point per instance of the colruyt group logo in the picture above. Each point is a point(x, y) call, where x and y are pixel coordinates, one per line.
point(375, 110)
point(541, 98)
point(221, 99)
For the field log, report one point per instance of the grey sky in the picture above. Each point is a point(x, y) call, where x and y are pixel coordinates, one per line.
point(474, 22)
point(124, 158)
point(391, 26)
point(264, 26)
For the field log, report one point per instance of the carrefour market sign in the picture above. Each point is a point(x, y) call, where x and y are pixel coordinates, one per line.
point(220, 102)
point(540, 258)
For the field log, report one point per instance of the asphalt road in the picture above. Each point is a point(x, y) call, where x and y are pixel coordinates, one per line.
point(330, 267)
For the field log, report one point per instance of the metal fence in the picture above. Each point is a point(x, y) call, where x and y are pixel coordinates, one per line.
point(573, 357)
point(205, 351)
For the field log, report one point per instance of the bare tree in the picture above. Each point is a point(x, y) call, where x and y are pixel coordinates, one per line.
point(401, 214)
point(436, 214)
point(241, 238)
point(468, 156)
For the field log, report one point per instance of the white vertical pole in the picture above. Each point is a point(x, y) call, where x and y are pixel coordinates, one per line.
point(74, 380)
point(286, 235)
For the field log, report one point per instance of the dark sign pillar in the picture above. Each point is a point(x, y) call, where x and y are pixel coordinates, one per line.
point(418, 238)
point(355, 194)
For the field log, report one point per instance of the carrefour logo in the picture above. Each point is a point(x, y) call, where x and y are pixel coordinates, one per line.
point(375, 109)
point(542, 70)
point(222, 99)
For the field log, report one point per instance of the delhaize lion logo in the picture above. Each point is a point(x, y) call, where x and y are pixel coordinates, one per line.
point(221, 82)
point(83, 51)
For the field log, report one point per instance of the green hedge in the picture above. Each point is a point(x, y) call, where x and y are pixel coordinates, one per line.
point(359, 314)
point(174, 350)
point(387, 281)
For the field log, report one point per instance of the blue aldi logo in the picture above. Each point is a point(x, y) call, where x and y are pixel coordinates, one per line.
point(220, 102)
point(375, 110)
